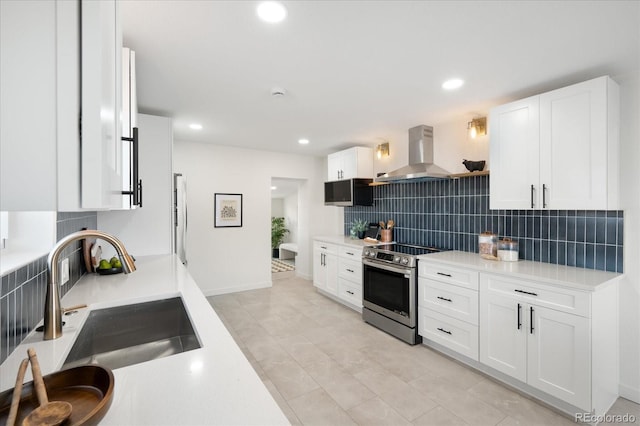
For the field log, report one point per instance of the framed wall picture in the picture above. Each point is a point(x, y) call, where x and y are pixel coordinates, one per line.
point(228, 210)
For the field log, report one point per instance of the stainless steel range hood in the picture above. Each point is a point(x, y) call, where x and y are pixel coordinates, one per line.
point(420, 158)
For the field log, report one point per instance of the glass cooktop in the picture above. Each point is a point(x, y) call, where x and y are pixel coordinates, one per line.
point(407, 249)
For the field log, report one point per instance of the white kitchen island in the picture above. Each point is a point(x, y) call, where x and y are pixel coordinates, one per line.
point(213, 385)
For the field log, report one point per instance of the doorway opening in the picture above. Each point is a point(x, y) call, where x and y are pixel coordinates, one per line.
point(284, 224)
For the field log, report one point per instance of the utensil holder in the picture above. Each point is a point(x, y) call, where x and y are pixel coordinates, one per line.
point(386, 235)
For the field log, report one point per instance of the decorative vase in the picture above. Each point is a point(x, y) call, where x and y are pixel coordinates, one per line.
point(361, 234)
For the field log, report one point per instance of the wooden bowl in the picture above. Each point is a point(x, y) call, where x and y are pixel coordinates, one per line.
point(88, 388)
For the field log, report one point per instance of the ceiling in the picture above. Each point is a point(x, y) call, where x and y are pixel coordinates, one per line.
point(356, 72)
point(284, 187)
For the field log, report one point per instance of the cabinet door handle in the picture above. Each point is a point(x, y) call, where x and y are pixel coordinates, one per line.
point(350, 292)
point(519, 319)
point(531, 320)
point(544, 196)
point(525, 292)
point(322, 259)
point(445, 299)
point(444, 275)
point(140, 193)
point(532, 189)
point(444, 331)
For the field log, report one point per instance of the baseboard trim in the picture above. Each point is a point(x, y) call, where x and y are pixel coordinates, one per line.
point(630, 393)
point(237, 288)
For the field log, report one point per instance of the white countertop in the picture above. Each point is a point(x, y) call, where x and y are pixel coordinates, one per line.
point(211, 385)
point(344, 240)
point(565, 276)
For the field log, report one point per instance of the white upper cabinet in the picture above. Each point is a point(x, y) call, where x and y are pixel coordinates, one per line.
point(101, 104)
point(515, 159)
point(40, 105)
point(558, 150)
point(350, 163)
point(28, 105)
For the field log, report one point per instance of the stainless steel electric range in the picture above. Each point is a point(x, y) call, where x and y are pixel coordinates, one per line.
point(390, 286)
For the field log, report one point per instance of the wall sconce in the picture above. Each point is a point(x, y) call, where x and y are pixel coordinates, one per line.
point(477, 126)
point(382, 150)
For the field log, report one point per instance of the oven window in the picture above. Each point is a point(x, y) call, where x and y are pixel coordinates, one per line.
point(387, 289)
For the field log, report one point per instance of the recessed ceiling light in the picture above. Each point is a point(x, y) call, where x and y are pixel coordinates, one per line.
point(271, 11)
point(273, 188)
point(454, 83)
point(303, 141)
point(195, 126)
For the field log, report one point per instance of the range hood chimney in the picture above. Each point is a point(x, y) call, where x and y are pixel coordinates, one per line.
point(420, 158)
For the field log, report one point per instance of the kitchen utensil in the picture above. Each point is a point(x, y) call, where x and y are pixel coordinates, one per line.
point(390, 224)
point(49, 413)
point(17, 392)
point(382, 225)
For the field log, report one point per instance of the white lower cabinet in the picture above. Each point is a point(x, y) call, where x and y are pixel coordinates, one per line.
point(548, 349)
point(448, 307)
point(337, 270)
point(550, 331)
point(325, 267)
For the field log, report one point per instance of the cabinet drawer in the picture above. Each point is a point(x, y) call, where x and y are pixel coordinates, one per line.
point(326, 247)
point(457, 302)
point(448, 274)
point(456, 335)
point(350, 270)
point(561, 299)
point(352, 253)
point(350, 292)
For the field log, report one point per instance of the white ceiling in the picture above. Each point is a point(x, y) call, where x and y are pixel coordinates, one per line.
point(359, 71)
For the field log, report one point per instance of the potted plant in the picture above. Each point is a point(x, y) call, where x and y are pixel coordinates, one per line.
point(358, 228)
point(278, 231)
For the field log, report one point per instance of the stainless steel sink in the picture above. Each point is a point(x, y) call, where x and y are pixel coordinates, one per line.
point(131, 334)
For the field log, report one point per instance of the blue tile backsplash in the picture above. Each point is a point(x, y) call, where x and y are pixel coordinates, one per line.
point(22, 291)
point(451, 213)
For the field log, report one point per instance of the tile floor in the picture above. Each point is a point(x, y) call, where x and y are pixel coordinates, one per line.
point(325, 366)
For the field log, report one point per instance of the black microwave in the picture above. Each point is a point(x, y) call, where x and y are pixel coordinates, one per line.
point(348, 192)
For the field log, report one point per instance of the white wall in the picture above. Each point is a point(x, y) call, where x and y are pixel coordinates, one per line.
point(451, 144)
point(224, 260)
point(629, 307)
point(290, 207)
point(147, 230)
point(277, 207)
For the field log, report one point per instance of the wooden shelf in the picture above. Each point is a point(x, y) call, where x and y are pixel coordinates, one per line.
point(469, 174)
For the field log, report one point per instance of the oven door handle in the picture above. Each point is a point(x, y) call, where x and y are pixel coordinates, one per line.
point(390, 268)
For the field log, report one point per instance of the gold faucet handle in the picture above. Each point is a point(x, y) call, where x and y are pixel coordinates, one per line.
point(73, 308)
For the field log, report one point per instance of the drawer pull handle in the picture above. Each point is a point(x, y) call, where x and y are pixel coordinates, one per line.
point(444, 275)
point(531, 320)
point(525, 292)
point(445, 299)
point(349, 253)
point(350, 270)
point(323, 247)
point(350, 292)
point(444, 331)
point(519, 313)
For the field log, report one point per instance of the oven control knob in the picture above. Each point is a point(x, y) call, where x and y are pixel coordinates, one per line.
point(405, 260)
point(396, 259)
point(366, 253)
point(372, 254)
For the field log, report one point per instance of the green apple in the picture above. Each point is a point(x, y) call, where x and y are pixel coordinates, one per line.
point(117, 264)
point(104, 264)
point(113, 261)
